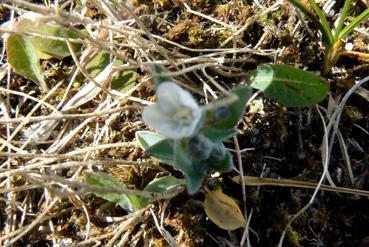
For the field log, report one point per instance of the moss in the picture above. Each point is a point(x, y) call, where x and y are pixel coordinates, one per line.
point(293, 237)
point(222, 11)
point(188, 217)
point(180, 30)
point(163, 4)
point(196, 36)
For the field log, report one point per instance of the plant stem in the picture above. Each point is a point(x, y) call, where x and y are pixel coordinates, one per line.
point(332, 54)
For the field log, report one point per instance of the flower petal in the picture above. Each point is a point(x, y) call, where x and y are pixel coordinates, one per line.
point(166, 115)
point(168, 94)
point(171, 97)
point(153, 117)
point(174, 130)
point(186, 99)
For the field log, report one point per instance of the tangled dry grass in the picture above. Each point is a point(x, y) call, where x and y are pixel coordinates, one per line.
point(83, 123)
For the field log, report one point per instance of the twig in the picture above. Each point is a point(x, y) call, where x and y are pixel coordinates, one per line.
point(64, 116)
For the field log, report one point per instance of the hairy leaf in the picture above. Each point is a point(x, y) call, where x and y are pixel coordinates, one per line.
point(220, 123)
point(164, 184)
point(193, 171)
point(156, 146)
point(107, 181)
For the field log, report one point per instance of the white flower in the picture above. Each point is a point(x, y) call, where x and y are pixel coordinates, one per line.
point(176, 113)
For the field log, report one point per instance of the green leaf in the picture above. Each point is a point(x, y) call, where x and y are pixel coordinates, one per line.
point(22, 56)
point(355, 22)
point(107, 181)
point(124, 81)
point(194, 172)
point(326, 31)
point(138, 202)
point(220, 123)
point(341, 20)
point(36, 24)
point(155, 145)
point(98, 63)
point(327, 34)
point(232, 113)
point(162, 150)
point(164, 184)
point(289, 86)
point(147, 139)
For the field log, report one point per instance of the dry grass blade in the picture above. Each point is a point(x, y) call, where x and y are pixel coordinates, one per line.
point(288, 183)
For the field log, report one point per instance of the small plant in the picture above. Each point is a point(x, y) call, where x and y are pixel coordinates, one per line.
point(190, 136)
point(333, 39)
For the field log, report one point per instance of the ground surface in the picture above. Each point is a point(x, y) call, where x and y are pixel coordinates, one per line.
point(40, 204)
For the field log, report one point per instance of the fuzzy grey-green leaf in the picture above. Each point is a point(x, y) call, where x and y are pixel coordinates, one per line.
point(194, 172)
point(155, 145)
point(164, 184)
point(106, 180)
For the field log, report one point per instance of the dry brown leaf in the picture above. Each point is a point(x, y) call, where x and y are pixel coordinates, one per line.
point(223, 210)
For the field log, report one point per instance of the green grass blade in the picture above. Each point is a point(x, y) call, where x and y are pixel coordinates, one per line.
point(342, 18)
point(327, 32)
point(357, 21)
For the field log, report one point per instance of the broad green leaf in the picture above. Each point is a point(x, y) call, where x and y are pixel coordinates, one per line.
point(107, 181)
point(220, 123)
point(138, 202)
point(22, 56)
point(194, 172)
point(98, 63)
point(124, 81)
point(121, 81)
point(36, 24)
point(223, 210)
point(289, 86)
point(147, 139)
point(162, 150)
point(164, 184)
point(155, 145)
